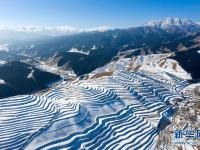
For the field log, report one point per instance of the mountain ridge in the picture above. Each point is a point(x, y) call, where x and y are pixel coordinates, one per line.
point(170, 24)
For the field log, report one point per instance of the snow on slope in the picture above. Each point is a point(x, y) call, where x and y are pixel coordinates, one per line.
point(2, 82)
point(171, 23)
point(42, 65)
point(2, 62)
point(4, 47)
point(125, 110)
point(22, 118)
point(166, 22)
point(154, 63)
point(75, 50)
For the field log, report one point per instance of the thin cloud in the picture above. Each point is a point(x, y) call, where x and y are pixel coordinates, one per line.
point(100, 29)
point(53, 30)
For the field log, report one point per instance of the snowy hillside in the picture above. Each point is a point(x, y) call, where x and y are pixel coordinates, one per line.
point(119, 106)
point(126, 110)
point(155, 63)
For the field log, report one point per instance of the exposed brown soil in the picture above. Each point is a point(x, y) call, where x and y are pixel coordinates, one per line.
point(102, 74)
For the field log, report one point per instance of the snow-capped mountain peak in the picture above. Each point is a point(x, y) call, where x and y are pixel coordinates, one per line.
point(169, 22)
point(173, 23)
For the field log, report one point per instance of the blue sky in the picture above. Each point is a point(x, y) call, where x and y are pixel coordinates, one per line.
point(93, 13)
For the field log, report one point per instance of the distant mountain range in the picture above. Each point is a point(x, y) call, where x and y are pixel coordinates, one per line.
point(84, 52)
point(80, 52)
point(174, 24)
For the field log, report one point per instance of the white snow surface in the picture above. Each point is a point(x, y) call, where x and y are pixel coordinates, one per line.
point(153, 63)
point(2, 62)
point(75, 50)
point(30, 75)
point(2, 81)
point(169, 22)
point(4, 47)
point(94, 47)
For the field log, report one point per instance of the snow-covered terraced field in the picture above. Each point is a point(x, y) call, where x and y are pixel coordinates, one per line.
point(124, 111)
